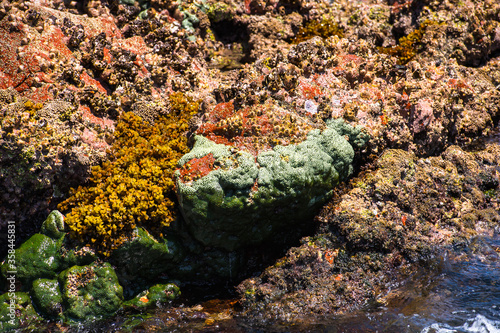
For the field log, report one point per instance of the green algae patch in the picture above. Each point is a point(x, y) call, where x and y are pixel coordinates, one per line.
point(234, 198)
point(25, 314)
point(53, 226)
point(90, 291)
point(47, 298)
point(37, 257)
point(157, 294)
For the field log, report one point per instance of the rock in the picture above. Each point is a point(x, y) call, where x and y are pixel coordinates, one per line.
point(36, 258)
point(231, 198)
point(394, 218)
point(154, 296)
point(90, 291)
point(25, 315)
point(47, 297)
point(53, 226)
point(142, 259)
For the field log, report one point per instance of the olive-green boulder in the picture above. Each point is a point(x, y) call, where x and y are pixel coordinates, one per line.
point(36, 258)
point(144, 258)
point(53, 226)
point(242, 199)
point(90, 291)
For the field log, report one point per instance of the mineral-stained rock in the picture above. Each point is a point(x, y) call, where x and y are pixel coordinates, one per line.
point(90, 291)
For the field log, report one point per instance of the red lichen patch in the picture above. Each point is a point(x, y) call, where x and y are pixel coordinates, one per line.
point(134, 44)
point(92, 82)
point(39, 95)
point(26, 66)
point(308, 89)
point(52, 40)
point(87, 116)
point(254, 128)
point(107, 55)
point(197, 168)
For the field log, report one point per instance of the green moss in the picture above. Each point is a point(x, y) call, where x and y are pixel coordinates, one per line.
point(53, 226)
point(142, 259)
point(154, 296)
point(36, 258)
point(47, 298)
point(90, 291)
point(135, 188)
point(25, 315)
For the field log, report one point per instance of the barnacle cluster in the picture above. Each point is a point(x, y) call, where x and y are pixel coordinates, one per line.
point(35, 145)
point(324, 28)
point(135, 187)
point(407, 47)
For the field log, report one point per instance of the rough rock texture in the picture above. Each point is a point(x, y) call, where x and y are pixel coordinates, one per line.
point(420, 77)
point(25, 313)
point(157, 294)
point(90, 291)
point(403, 212)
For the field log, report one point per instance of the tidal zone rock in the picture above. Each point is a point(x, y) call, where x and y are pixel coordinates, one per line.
point(257, 170)
point(61, 280)
point(392, 223)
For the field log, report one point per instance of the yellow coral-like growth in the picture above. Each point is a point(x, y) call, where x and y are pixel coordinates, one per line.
point(135, 187)
point(324, 28)
point(408, 45)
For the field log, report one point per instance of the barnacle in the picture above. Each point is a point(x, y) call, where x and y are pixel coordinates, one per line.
point(135, 187)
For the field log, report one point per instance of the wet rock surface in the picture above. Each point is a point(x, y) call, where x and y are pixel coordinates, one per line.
point(393, 219)
point(418, 79)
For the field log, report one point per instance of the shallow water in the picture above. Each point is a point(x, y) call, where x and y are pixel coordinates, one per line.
point(461, 293)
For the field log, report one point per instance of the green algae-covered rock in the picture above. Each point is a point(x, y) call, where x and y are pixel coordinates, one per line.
point(16, 311)
point(76, 254)
point(53, 226)
point(144, 258)
point(157, 294)
point(37, 257)
point(90, 291)
point(47, 297)
point(242, 199)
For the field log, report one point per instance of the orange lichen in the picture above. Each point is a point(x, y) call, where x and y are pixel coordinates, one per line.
point(197, 167)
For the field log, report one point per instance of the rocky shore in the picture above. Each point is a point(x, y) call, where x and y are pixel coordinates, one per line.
point(311, 155)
